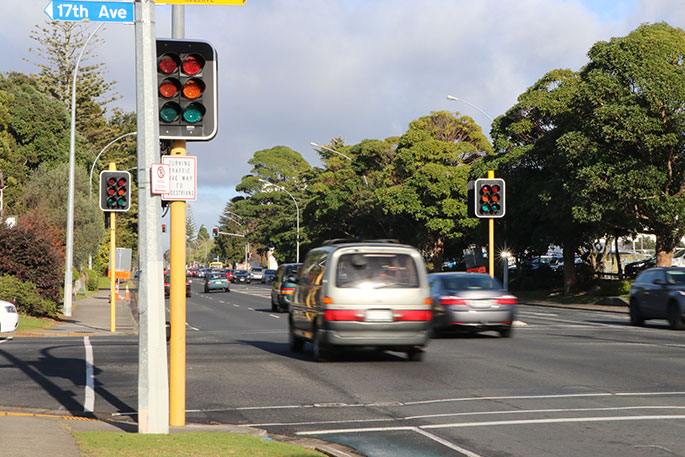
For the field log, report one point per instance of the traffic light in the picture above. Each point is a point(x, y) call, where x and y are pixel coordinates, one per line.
point(115, 191)
point(163, 228)
point(187, 94)
point(489, 198)
point(215, 232)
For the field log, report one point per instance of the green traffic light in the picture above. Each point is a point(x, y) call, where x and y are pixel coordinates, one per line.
point(169, 112)
point(194, 112)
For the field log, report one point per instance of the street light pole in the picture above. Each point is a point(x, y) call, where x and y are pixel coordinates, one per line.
point(69, 253)
point(297, 209)
point(321, 146)
point(457, 99)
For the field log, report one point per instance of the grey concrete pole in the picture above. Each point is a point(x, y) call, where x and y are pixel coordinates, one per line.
point(69, 254)
point(153, 379)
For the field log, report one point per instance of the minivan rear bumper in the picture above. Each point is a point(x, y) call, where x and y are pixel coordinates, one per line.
point(385, 335)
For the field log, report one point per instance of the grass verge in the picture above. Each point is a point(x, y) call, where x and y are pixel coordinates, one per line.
point(111, 444)
point(34, 323)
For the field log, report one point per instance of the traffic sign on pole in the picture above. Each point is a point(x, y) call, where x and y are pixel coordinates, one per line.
point(67, 10)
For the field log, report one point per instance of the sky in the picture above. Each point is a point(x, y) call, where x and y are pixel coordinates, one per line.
point(293, 72)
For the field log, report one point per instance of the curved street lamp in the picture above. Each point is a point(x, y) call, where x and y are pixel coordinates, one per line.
point(321, 146)
point(457, 99)
point(297, 209)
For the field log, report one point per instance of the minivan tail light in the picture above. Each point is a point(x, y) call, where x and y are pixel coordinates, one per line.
point(343, 315)
point(327, 301)
point(507, 301)
point(287, 290)
point(452, 301)
point(413, 315)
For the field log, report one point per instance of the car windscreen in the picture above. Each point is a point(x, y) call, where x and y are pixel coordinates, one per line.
point(466, 282)
point(216, 276)
point(376, 270)
point(675, 277)
point(240, 272)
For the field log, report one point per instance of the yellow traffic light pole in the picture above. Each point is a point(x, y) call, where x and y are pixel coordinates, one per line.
point(112, 264)
point(491, 236)
point(177, 305)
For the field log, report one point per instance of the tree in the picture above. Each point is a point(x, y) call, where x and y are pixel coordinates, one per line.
point(44, 203)
point(631, 121)
point(426, 183)
point(269, 213)
point(60, 44)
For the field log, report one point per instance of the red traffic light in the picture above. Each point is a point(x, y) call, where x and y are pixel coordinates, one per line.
point(489, 202)
point(115, 192)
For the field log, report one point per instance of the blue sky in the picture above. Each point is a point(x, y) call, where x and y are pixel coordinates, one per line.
point(296, 71)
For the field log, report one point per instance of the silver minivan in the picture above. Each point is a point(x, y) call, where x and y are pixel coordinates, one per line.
point(361, 294)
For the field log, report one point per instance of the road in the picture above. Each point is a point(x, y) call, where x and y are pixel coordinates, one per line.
point(568, 383)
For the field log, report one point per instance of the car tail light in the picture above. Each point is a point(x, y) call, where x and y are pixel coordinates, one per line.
point(413, 315)
point(327, 301)
point(452, 301)
point(507, 301)
point(287, 291)
point(343, 315)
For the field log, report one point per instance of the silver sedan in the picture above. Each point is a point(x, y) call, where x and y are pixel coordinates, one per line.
point(470, 301)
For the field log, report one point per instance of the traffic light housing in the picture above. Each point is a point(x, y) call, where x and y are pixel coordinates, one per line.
point(115, 191)
point(186, 90)
point(489, 198)
point(163, 228)
point(215, 232)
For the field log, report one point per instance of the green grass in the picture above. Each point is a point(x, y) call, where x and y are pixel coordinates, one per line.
point(34, 323)
point(112, 444)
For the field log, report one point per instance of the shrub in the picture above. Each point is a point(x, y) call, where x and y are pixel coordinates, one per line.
point(26, 297)
point(585, 275)
point(613, 288)
point(92, 281)
point(30, 256)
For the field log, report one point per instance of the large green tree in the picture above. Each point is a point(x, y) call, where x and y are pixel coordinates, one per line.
point(425, 185)
point(629, 142)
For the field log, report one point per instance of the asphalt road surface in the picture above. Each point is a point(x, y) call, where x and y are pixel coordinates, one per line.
point(569, 383)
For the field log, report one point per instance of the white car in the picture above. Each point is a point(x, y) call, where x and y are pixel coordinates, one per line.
point(9, 319)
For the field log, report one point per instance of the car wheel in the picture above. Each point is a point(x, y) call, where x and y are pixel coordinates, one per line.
point(296, 344)
point(319, 351)
point(675, 317)
point(505, 332)
point(635, 315)
point(415, 355)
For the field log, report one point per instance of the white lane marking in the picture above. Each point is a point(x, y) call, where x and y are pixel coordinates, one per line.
point(5, 339)
point(237, 306)
point(356, 421)
point(446, 443)
point(251, 309)
point(530, 313)
point(191, 327)
point(449, 400)
point(584, 324)
point(529, 411)
point(561, 420)
point(89, 402)
point(275, 316)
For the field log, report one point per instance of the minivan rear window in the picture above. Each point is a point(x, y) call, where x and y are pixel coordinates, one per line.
point(376, 271)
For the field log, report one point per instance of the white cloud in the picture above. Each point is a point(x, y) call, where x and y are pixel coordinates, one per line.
point(292, 72)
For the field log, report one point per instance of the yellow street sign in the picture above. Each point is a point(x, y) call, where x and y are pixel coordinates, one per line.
point(202, 2)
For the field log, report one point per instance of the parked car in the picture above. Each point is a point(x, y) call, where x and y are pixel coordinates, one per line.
point(470, 301)
point(268, 276)
point(241, 276)
point(229, 274)
point(217, 281)
point(9, 318)
point(359, 294)
point(632, 269)
point(167, 287)
point(283, 286)
point(659, 293)
point(256, 273)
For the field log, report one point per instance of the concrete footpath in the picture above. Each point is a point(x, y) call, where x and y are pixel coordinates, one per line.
point(30, 433)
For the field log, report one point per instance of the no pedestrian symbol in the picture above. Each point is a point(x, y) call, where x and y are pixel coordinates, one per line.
point(161, 184)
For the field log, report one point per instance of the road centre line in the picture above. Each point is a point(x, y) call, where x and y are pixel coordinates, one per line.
point(89, 402)
point(584, 324)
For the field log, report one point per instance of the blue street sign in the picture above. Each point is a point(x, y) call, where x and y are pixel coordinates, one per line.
point(65, 10)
